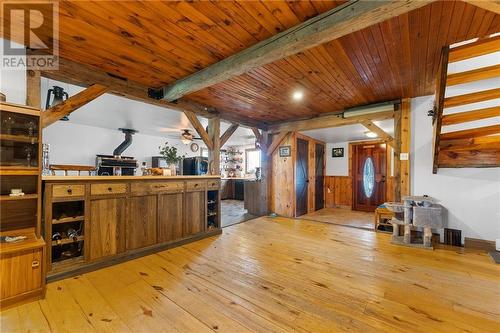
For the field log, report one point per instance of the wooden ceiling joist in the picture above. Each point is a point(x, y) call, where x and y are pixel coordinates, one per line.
point(332, 120)
point(335, 23)
point(369, 125)
point(227, 134)
point(73, 103)
point(473, 75)
point(471, 133)
point(463, 117)
point(277, 139)
point(475, 49)
point(475, 97)
point(199, 129)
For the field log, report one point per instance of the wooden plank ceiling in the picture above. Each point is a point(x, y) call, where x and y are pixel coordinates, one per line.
point(156, 43)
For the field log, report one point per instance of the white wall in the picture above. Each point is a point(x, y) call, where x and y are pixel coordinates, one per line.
point(13, 84)
point(470, 196)
point(337, 166)
point(78, 144)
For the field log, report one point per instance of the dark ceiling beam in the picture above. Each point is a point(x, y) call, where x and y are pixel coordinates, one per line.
point(85, 76)
point(340, 21)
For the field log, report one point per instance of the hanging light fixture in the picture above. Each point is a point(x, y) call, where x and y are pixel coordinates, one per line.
point(59, 96)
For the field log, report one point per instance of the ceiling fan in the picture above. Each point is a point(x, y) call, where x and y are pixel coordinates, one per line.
point(187, 136)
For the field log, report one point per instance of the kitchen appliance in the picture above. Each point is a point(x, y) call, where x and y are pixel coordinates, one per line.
point(195, 165)
point(116, 164)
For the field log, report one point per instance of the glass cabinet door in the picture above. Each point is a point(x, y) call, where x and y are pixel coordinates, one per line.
point(18, 139)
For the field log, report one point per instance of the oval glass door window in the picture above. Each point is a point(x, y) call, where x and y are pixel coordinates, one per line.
point(368, 177)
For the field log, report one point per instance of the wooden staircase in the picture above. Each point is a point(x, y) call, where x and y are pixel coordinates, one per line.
point(473, 147)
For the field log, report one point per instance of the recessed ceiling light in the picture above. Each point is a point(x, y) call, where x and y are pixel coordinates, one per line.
point(298, 95)
point(371, 134)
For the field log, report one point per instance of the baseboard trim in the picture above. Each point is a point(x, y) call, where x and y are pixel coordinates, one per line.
point(479, 244)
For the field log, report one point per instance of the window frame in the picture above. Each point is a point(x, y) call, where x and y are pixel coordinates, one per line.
point(246, 159)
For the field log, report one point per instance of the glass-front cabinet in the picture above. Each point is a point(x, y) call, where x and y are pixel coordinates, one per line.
point(19, 140)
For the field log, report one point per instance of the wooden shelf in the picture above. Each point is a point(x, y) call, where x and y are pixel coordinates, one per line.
point(21, 197)
point(68, 241)
point(17, 108)
point(68, 219)
point(27, 244)
point(19, 138)
point(18, 171)
point(66, 264)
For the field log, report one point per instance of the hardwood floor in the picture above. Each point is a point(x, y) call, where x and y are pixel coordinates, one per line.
point(342, 216)
point(277, 275)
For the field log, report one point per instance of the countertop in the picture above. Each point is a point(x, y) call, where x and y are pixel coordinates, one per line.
point(98, 178)
point(237, 178)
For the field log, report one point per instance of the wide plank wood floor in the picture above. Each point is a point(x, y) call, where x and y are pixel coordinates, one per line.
point(276, 275)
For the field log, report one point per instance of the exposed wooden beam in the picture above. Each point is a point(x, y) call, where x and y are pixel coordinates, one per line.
point(475, 49)
point(463, 117)
point(199, 129)
point(33, 87)
point(396, 184)
point(491, 5)
point(258, 135)
point(227, 134)
point(83, 75)
point(73, 103)
point(277, 139)
point(405, 147)
point(332, 120)
point(377, 130)
point(471, 133)
point(482, 73)
point(335, 23)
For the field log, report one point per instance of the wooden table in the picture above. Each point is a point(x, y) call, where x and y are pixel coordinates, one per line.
point(382, 213)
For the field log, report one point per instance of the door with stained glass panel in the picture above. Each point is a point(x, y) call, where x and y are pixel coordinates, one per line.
point(369, 176)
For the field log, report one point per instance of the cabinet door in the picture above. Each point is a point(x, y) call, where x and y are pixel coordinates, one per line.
point(194, 222)
point(20, 272)
point(141, 225)
point(107, 227)
point(170, 216)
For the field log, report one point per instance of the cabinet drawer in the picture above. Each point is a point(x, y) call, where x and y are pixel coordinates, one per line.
point(157, 187)
point(21, 272)
point(100, 189)
point(59, 191)
point(196, 185)
point(213, 184)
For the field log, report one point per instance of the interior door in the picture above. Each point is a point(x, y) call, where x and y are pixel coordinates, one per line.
point(301, 177)
point(319, 177)
point(369, 173)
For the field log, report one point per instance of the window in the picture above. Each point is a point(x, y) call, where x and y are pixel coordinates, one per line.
point(203, 152)
point(252, 160)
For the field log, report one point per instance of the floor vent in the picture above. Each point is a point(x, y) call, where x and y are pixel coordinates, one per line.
point(452, 237)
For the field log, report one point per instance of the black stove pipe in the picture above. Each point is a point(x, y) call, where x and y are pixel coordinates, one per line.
point(126, 143)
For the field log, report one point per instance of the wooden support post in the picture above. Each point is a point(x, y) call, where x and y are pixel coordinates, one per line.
point(405, 147)
point(33, 88)
point(214, 152)
point(397, 150)
point(265, 165)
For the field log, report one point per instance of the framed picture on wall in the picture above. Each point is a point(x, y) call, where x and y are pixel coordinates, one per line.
point(337, 152)
point(285, 151)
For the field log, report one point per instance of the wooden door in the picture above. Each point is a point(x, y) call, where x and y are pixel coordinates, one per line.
point(142, 222)
point(195, 220)
point(369, 174)
point(20, 272)
point(107, 227)
point(319, 174)
point(301, 177)
point(170, 217)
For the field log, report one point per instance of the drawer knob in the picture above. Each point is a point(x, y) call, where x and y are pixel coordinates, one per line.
point(195, 185)
point(70, 191)
point(35, 263)
point(110, 189)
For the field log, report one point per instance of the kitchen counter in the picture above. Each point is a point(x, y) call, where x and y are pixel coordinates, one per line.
point(98, 178)
point(237, 178)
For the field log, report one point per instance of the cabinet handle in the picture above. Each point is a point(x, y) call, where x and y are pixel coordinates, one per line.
point(70, 191)
point(110, 189)
point(35, 263)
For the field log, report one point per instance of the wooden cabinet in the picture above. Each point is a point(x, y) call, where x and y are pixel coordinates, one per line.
point(108, 189)
point(107, 227)
point(195, 220)
point(141, 222)
point(61, 191)
point(170, 216)
point(227, 189)
point(21, 274)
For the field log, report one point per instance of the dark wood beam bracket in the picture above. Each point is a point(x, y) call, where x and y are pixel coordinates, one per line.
point(199, 129)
